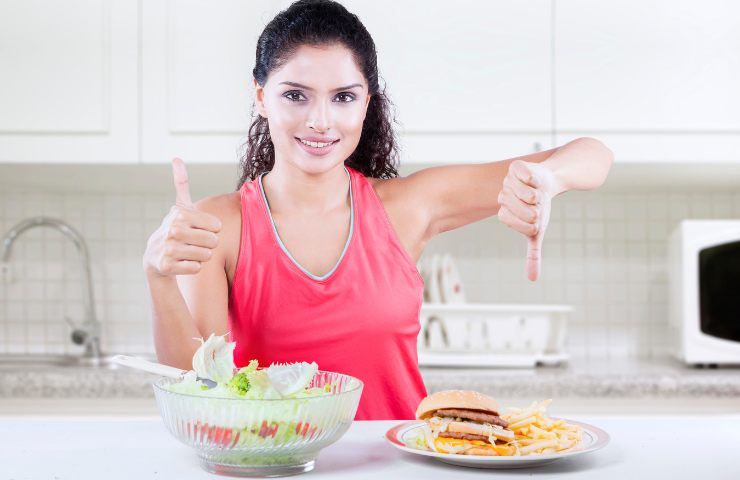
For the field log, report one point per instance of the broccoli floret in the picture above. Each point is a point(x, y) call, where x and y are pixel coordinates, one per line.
point(239, 383)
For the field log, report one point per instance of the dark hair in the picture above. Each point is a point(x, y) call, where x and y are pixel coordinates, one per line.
point(323, 22)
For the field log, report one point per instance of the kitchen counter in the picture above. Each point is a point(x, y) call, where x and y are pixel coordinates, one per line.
point(679, 447)
point(583, 378)
point(663, 377)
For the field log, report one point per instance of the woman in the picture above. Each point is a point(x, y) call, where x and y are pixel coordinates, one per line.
point(313, 258)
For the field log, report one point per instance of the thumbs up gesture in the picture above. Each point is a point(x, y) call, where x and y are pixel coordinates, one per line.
point(186, 238)
point(525, 202)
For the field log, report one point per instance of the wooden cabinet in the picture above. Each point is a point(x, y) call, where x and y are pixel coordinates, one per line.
point(656, 81)
point(68, 87)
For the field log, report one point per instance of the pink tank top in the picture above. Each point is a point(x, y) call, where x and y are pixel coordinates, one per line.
point(361, 318)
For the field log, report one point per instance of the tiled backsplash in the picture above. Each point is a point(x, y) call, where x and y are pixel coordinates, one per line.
point(46, 271)
point(604, 253)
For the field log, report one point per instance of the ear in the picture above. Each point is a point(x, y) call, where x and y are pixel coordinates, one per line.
point(367, 101)
point(259, 99)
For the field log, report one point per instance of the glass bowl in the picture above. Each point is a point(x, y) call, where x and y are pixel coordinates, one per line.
point(261, 438)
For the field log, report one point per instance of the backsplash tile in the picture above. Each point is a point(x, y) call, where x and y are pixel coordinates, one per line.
point(604, 253)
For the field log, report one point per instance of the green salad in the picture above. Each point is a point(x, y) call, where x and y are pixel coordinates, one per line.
point(249, 382)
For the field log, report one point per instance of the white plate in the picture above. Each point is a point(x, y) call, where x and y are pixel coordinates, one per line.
point(593, 439)
point(450, 282)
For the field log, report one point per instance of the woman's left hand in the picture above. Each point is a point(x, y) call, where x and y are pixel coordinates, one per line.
point(525, 202)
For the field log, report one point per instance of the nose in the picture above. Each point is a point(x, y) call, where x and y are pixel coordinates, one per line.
point(318, 118)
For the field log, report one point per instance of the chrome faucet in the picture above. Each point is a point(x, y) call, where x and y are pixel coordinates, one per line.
point(88, 333)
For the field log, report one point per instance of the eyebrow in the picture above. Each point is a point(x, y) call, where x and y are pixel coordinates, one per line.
point(298, 85)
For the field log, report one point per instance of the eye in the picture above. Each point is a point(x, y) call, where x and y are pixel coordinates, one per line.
point(294, 96)
point(345, 97)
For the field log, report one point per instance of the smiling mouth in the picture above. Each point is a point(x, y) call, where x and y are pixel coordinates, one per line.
point(316, 144)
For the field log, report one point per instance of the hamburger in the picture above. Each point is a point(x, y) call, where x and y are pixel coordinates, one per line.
point(463, 422)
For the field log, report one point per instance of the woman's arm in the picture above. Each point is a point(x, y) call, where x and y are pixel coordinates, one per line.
point(582, 164)
point(185, 270)
point(519, 190)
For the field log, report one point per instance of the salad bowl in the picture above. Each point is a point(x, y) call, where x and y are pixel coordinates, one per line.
point(260, 437)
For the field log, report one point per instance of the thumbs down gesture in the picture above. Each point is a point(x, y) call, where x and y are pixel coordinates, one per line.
point(525, 203)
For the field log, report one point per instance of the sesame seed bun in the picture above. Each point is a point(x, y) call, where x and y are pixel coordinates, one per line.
point(467, 399)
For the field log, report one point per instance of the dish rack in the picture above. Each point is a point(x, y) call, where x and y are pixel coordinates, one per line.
point(492, 335)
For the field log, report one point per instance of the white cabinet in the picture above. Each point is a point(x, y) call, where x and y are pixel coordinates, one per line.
point(124, 81)
point(471, 81)
point(197, 60)
point(470, 84)
point(197, 92)
point(655, 80)
point(68, 87)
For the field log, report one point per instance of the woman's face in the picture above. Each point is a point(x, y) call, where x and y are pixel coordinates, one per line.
point(315, 105)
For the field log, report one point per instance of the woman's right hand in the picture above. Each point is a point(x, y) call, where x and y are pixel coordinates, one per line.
point(186, 238)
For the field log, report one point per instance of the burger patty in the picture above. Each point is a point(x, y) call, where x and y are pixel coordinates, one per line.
point(463, 436)
point(473, 415)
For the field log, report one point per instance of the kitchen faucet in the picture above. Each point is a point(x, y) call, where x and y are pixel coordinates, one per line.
point(88, 333)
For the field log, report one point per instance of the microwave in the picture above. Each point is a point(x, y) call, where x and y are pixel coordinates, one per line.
point(704, 292)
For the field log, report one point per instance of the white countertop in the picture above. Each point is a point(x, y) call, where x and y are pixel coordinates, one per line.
point(650, 447)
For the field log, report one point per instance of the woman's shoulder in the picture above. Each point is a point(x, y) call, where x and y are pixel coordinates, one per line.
point(226, 207)
point(406, 213)
point(398, 200)
point(387, 189)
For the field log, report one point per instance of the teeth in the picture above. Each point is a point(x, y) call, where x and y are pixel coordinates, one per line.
point(316, 144)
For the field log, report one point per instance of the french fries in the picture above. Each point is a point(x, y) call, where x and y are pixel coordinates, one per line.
point(536, 433)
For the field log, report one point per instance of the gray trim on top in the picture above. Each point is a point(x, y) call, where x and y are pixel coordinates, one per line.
point(282, 245)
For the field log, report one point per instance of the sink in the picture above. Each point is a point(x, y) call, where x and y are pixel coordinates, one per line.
point(23, 361)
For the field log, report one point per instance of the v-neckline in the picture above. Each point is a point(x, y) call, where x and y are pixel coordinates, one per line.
point(285, 249)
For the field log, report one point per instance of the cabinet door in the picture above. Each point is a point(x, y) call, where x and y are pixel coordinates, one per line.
point(657, 81)
point(471, 80)
point(197, 60)
point(68, 88)
point(470, 83)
